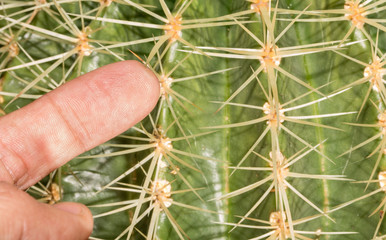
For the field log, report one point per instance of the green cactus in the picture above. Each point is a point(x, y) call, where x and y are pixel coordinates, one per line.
point(270, 123)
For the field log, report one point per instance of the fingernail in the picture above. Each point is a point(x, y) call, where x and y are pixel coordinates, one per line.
point(73, 208)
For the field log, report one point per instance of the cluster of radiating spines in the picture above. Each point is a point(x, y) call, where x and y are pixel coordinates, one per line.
point(9, 48)
point(168, 96)
point(106, 3)
point(50, 192)
point(278, 227)
point(8, 51)
point(373, 74)
point(156, 200)
point(22, 17)
point(359, 13)
point(259, 5)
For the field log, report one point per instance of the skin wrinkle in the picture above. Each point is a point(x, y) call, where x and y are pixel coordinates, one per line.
point(8, 195)
point(24, 231)
point(5, 162)
point(75, 107)
point(71, 109)
point(39, 147)
point(68, 124)
point(4, 169)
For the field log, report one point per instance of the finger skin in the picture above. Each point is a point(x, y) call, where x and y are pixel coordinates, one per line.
point(22, 217)
point(74, 118)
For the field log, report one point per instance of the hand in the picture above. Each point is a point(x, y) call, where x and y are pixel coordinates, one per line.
point(57, 127)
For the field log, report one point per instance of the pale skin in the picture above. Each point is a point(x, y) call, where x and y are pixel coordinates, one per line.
point(57, 127)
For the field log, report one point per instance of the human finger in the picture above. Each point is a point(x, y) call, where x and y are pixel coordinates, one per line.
point(22, 217)
point(74, 118)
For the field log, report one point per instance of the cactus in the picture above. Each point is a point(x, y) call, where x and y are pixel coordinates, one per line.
point(270, 122)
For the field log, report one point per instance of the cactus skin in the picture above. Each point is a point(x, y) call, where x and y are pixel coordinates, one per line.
point(83, 177)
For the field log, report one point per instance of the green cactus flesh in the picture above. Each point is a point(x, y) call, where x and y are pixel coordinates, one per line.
point(270, 122)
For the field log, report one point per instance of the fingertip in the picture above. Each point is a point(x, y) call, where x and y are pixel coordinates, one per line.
point(22, 217)
point(80, 211)
point(152, 84)
point(149, 82)
point(135, 90)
